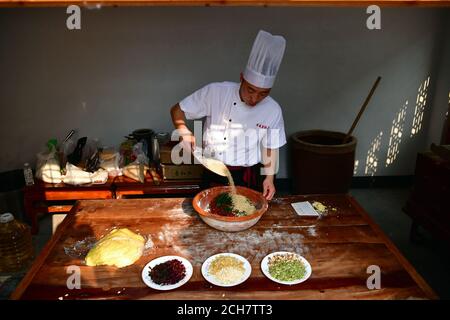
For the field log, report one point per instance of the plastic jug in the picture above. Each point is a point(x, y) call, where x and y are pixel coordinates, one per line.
point(16, 246)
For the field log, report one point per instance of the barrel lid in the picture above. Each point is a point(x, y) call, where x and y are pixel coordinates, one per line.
point(6, 217)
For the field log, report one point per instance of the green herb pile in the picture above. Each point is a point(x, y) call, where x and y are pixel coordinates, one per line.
point(286, 268)
point(223, 205)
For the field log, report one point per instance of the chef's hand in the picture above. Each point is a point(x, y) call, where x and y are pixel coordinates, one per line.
point(268, 188)
point(188, 141)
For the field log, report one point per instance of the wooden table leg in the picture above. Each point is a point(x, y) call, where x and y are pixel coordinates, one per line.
point(32, 214)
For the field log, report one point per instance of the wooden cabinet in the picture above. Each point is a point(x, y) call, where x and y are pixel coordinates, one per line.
point(428, 202)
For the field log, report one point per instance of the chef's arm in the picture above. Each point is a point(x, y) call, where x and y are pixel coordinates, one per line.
point(179, 122)
point(270, 158)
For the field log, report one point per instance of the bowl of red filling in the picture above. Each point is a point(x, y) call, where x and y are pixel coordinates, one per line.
point(227, 209)
point(167, 272)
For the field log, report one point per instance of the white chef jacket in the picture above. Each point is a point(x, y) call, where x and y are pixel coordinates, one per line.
point(234, 132)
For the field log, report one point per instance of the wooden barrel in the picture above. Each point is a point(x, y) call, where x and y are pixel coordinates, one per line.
point(321, 163)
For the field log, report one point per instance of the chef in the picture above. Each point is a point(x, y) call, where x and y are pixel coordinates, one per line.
point(244, 126)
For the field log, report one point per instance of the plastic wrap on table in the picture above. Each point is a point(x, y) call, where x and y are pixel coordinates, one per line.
point(136, 171)
point(110, 161)
point(90, 151)
point(93, 163)
point(80, 248)
point(77, 176)
point(126, 152)
point(48, 168)
point(75, 157)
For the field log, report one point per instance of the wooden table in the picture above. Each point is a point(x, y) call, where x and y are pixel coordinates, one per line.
point(47, 197)
point(340, 247)
point(125, 187)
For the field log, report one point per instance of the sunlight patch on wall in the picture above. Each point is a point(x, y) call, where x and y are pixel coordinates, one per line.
point(355, 167)
point(421, 102)
point(446, 114)
point(372, 155)
point(396, 135)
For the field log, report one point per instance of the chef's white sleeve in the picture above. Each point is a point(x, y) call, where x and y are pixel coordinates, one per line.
point(275, 137)
point(198, 104)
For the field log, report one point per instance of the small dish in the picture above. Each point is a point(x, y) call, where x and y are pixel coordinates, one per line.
point(212, 279)
point(265, 268)
point(149, 282)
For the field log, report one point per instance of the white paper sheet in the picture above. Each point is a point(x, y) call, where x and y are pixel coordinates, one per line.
point(305, 209)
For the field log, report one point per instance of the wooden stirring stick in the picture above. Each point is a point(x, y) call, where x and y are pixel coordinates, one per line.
point(355, 122)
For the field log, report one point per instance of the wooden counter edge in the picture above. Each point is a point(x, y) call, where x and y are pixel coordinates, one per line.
point(393, 248)
point(37, 264)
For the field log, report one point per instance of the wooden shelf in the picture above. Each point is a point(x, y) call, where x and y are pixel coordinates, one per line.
point(261, 3)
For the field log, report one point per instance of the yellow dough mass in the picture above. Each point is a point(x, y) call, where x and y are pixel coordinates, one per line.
point(120, 248)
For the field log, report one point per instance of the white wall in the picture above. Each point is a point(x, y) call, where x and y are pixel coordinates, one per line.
point(127, 66)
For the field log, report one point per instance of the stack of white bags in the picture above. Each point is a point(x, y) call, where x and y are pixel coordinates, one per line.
point(49, 170)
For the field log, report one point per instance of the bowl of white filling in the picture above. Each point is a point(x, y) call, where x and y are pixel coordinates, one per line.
point(229, 208)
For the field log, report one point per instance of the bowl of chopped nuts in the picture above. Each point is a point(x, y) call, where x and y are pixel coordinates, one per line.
point(230, 209)
point(287, 268)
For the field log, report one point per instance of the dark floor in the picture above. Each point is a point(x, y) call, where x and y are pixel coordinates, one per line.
point(430, 258)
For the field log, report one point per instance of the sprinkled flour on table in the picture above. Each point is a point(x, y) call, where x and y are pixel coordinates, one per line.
point(251, 244)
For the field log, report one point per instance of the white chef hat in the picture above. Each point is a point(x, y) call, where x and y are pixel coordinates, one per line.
point(265, 59)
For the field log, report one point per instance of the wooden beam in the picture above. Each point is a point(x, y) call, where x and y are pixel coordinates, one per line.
point(260, 3)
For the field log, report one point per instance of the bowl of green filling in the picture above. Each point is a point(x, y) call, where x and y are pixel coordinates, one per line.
point(230, 209)
point(287, 268)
